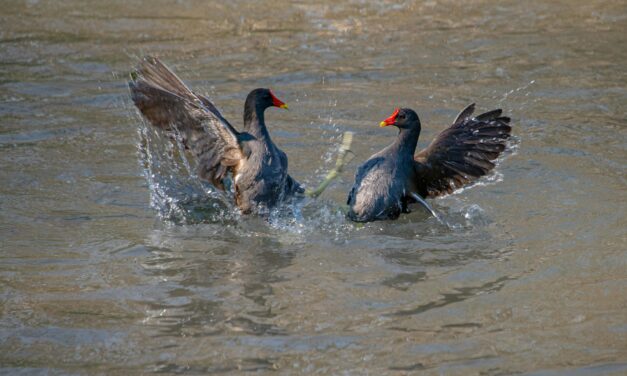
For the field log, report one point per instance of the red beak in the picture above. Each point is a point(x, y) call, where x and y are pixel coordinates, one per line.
point(391, 120)
point(277, 102)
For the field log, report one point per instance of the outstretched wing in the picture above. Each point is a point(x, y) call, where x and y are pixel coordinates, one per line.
point(461, 153)
point(169, 104)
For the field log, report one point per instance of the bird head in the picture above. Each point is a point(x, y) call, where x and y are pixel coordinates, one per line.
point(403, 118)
point(264, 98)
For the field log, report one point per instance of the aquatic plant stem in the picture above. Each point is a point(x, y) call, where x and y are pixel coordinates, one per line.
point(345, 156)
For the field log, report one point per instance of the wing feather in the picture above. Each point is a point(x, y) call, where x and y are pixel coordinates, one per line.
point(169, 104)
point(462, 153)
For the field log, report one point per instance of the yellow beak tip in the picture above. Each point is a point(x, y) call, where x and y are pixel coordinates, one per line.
point(284, 106)
point(383, 124)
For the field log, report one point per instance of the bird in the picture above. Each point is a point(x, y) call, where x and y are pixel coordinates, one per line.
point(249, 159)
point(395, 177)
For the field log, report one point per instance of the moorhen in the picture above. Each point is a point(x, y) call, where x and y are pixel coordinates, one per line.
point(394, 177)
point(258, 166)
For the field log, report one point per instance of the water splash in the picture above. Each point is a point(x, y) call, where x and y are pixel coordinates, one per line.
point(176, 192)
point(521, 89)
point(181, 197)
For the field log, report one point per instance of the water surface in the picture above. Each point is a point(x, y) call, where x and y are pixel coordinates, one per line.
point(99, 276)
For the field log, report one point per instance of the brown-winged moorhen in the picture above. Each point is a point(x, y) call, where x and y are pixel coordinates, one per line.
point(257, 165)
point(394, 177)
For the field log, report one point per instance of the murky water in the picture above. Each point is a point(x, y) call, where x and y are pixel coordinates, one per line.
point(530, 277)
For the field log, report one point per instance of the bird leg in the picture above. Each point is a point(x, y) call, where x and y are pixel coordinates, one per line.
point(424, 203)
point(345, 156)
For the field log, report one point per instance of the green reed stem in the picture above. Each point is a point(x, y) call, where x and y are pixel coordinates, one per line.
point(345, 156)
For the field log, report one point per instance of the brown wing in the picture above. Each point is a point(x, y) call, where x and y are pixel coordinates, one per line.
point(461, 153)
point(169, 104)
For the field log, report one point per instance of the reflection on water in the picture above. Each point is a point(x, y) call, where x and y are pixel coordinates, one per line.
point(115, 260)
point(199, 283)
point(462, 294)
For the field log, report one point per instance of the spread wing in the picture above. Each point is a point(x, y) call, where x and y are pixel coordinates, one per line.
point(166, 102)
point(461, 153)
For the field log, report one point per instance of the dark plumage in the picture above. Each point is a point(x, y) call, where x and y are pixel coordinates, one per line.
point(394, 177)
point(257, 165)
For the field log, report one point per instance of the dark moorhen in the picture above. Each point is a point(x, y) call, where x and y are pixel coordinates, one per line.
point(393, 178)
point(257, 165)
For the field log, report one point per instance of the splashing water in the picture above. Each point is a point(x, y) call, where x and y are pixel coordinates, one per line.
point(181, 197)
point(175, 190)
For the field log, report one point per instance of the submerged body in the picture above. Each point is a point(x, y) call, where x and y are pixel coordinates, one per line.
point(393, 178)
point(258, 167)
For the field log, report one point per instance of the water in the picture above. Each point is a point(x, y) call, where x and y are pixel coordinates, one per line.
point(528, 277)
